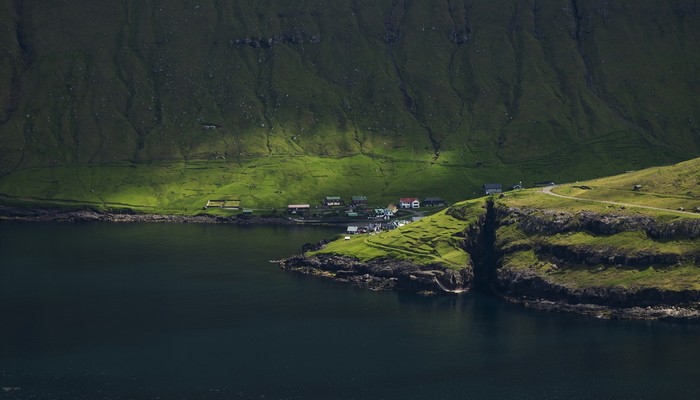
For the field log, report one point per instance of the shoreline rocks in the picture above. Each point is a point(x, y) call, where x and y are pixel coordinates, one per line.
point(383, 274)
point(8, 213)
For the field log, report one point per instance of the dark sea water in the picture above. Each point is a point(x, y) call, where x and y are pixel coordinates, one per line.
point(161, 311)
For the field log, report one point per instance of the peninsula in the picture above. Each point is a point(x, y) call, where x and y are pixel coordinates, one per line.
point(627, 246)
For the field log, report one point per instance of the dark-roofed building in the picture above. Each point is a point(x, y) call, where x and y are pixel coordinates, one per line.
point(433, 202)
point(359, 200)
point(493, 188)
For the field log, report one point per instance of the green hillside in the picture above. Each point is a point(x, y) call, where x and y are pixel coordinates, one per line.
point(563, 248)
point(165, 104)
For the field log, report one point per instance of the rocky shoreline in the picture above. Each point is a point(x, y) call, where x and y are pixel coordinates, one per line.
point(9, 213)
point(517, 286)
point(383, 274)
point(527, 286)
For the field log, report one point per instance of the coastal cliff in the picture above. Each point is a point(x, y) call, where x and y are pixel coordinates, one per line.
point(384, 274)
point(605, 264)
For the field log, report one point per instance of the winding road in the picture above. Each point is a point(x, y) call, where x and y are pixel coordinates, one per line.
point(548, 190)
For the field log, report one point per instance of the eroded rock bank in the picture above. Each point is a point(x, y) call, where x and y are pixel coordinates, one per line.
point(548, 238)
point(546, 278)
point(383, 274)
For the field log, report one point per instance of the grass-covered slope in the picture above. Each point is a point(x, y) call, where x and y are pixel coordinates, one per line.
point(439, 239)
point(672, 187)
point(509, 90)
point(568, 248)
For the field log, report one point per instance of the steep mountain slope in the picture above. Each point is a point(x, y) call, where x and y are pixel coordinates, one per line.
point(582, 88)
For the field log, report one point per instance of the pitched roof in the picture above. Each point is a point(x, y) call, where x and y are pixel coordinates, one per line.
point(434, 199)
point(493, 186)
point(408, 199)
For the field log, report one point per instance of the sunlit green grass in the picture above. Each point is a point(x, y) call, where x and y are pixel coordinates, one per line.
point(265, 183)
point(674, 278)
point(437, 239)
point(671, 187)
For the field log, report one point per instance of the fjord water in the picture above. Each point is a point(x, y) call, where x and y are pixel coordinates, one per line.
point(147, 311)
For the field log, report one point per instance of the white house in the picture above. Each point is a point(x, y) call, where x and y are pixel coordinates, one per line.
point(409, 202)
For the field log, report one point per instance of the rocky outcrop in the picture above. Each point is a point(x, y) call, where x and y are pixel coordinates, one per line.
point(533, 288)
point(383, 274)
point(552, 222)
point(528, 288)
point(527, 284)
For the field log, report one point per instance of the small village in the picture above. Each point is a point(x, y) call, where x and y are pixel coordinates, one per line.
point(358, 215)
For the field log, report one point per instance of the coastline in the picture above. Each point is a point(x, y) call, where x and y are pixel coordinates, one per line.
point(399, 275)
point(24, 214)
point(388, 274)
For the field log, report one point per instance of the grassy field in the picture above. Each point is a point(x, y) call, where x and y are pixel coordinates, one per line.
point(672, 187)
point(265, 183)
point(437, 239)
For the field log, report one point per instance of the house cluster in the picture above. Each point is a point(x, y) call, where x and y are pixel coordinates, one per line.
point(357, 207)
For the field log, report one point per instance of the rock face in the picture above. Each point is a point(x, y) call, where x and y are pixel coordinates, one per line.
point(383, 274)
point(531, 287)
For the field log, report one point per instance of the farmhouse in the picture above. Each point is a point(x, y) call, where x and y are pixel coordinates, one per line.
point(332, 201)
point(352, 230)
point(409, 202)
point(492, 188)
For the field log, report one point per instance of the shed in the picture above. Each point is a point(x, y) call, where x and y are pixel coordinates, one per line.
point(298, 207)
point(492, 188)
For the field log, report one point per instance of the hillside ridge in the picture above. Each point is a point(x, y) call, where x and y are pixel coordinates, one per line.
point(529, 84)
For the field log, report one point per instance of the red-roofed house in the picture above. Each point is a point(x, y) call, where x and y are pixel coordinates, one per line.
point(409, 202)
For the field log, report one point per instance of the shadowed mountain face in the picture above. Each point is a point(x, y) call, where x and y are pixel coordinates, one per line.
point(516, 82)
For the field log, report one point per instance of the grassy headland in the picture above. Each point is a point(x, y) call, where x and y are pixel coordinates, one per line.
point(572, 243)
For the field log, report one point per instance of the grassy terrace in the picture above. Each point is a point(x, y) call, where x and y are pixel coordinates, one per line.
point(520, 254)
point(685, 276)
point(433, 240)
